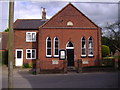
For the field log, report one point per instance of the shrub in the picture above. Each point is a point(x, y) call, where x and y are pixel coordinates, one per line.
point(108, 61)
point(105, 51)
point(27, 65)
point(4, 57)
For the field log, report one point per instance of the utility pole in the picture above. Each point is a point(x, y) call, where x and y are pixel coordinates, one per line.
point(10, 44)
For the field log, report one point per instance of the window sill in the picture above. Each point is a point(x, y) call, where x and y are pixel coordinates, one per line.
point(90, 55)
point(83, 56)
point(49, 56)
point(30, 41)
point(56, 56)
point(30, 58)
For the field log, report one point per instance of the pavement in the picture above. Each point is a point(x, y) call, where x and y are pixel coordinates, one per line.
point(24, 79)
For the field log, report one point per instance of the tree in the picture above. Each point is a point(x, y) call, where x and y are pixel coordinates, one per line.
point(6, 30)
point(113, 36)
point(105, 50)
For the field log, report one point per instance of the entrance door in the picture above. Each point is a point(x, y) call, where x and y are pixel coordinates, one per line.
point(70, 53)
point(19, 57)
point(70, 57)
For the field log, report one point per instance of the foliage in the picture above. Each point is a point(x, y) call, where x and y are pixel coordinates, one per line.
point(108, 61)
point(6, 30)
point(113, 38)
point(28, 65)
point(105, 51)
point(3, 57)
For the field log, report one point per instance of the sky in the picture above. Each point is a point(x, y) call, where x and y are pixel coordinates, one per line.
point(100, 13)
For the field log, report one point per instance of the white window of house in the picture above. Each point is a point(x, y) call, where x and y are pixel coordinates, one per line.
point(48, 47)
point(30, 36)
point(90, 47)
point(56, 47)
point(30, 53)
point(83, 50)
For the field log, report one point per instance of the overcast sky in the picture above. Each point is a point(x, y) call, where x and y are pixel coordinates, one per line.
point(31, 9)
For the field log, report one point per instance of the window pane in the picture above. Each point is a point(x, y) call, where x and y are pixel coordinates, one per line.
point(33, 54)
point(48, 51)
point(56, 51)
point(19, 54)
point(56, 44)
point(33, 36)
point(28, 36)
point(83, 51)
point(49, 44)
point(28, 55)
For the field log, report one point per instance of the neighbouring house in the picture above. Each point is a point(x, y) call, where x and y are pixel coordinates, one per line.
point(4, 47)
point(40, 40)
point(3, 41)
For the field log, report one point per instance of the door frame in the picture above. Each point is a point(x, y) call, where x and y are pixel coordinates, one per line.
point(16, 56)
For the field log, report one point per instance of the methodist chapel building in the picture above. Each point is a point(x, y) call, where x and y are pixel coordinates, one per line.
point(68, 36)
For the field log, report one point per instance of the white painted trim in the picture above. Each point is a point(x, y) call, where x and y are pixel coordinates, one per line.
point(90, 55)
point(31, 53)
point(31, 35)
point(69, 47)
point(46, 48)
point(54, 47)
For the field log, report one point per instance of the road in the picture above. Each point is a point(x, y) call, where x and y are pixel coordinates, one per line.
point(23, 79)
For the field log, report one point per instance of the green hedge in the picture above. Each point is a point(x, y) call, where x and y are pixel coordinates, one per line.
point(105, 51)
point(4, 57)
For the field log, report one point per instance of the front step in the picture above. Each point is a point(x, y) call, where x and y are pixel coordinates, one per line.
point(71, 69)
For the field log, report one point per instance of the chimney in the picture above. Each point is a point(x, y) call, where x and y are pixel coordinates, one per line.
point(43, 14)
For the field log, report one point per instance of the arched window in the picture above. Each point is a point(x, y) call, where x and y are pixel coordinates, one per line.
point(83, 51)
point(69, 45)
point(56, 47)
point(48, 47)
point(90, 47)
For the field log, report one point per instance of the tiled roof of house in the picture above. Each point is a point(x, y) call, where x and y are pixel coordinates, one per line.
point(28, 24)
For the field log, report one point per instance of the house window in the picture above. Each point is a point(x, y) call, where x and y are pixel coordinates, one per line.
point(30, 53)
point(83, 54)
point(48, 47)
point(56, 47)
point(30, 36)
point(90, 47)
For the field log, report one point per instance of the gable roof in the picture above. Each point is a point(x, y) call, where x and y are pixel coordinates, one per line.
point(67, 6)
point(28, 24)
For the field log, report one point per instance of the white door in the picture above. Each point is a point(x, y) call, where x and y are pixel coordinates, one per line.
point(19, 57)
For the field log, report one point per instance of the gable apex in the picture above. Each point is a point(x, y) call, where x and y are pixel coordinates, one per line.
point(70, 13)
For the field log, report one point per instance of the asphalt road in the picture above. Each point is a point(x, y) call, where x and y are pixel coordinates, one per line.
point(23, 79)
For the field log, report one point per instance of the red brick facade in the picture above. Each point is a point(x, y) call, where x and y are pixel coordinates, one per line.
point(57, 27)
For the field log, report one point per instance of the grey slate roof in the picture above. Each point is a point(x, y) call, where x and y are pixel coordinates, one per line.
point(28, 24)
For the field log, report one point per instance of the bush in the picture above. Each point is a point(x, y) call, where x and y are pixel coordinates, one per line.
point(28, 65)
point(105, 51)
point(108, 61)
point(4, 57)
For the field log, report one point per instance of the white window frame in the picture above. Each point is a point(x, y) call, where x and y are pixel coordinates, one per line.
point(47, 48)
point(55, 48)
point(27, 40)
point(31, 53)
point(82, 48)
point(91, 55)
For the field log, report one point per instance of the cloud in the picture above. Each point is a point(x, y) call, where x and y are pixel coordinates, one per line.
point(31, 9)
